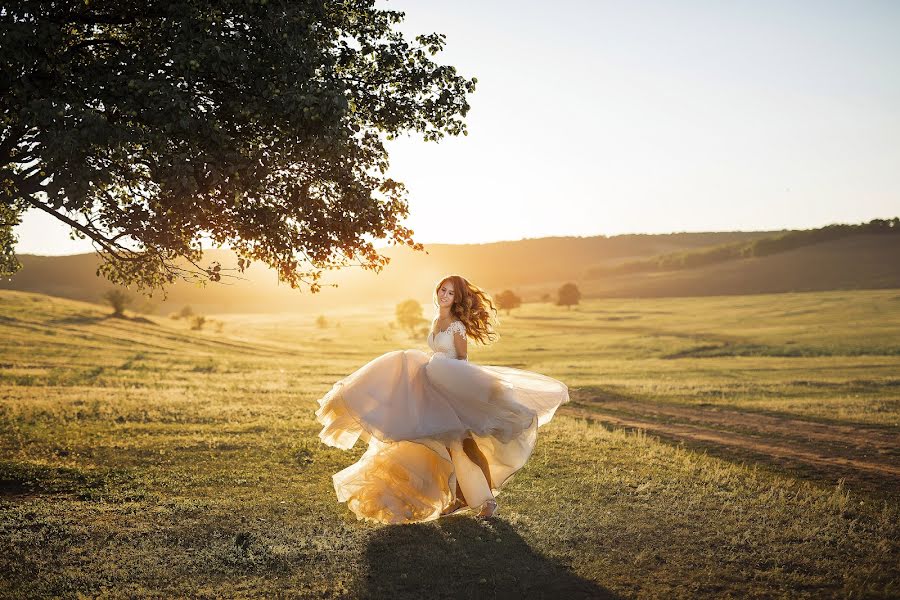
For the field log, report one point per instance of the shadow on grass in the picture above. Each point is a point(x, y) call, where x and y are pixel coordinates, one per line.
point(86, 319)
point(460, 557)
point(24, 480)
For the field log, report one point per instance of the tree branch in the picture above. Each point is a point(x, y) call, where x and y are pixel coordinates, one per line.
point(96, 237)
point(101, 19)
point(94, 42)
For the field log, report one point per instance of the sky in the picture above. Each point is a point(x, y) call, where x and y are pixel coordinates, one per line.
point(603, 118)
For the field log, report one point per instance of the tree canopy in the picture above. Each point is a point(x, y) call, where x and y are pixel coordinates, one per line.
point(507, 300)
point(260, 124)
point(568, 295)
point(409, 315)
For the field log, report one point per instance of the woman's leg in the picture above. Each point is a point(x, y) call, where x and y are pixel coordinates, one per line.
point(477, 456)
point(469, 477)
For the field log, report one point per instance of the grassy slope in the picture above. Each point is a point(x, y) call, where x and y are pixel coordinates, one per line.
point(144, 459)
point(783, 242)
point(858, 262)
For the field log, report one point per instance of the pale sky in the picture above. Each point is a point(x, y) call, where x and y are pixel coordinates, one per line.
point(594, 117)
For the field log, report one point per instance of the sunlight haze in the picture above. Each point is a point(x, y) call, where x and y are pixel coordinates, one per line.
point(597, 118)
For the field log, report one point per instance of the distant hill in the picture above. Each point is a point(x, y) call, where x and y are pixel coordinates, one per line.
point(858, 262)
point(534, 268)
point(765, 246)
point(527, 265)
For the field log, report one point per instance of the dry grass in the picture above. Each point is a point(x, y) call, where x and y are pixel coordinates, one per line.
point(144, 459)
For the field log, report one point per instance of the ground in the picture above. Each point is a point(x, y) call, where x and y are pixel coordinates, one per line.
point(742, 446)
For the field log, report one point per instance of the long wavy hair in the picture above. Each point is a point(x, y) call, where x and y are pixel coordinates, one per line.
point(473, 306)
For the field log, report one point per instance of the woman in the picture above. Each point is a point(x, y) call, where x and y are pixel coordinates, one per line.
point(443, 433)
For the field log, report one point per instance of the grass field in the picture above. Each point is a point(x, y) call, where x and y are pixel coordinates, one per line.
point(742, 446)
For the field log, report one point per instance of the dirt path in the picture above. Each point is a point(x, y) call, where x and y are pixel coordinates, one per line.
point(865, 455)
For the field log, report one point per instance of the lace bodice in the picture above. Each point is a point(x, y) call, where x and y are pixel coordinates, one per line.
point(442, 342)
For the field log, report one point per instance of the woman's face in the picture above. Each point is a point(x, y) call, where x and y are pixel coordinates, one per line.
point(445, 295)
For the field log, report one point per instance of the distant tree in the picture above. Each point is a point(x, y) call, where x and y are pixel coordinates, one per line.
point(147, 126)
point(186, 312)
point(321, 322)
point(546, 298)
point(409, 315)
point(118, 299)
point(568, 295)
point(198, 322)
point(507, 300)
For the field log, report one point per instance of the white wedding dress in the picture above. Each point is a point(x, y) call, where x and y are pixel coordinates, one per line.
point(435, 426)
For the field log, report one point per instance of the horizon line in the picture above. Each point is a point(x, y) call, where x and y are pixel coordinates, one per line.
point(524, 239)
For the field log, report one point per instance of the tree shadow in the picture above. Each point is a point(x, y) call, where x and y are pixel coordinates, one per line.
point(78, 319)
point(85, 319)
point(461, 557)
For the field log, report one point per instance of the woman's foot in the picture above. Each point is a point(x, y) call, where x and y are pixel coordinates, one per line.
point(488, 509)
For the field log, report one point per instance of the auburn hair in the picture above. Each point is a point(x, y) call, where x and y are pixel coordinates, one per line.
point(473, 306)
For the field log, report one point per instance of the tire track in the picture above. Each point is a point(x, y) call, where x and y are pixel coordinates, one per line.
point(831, 450)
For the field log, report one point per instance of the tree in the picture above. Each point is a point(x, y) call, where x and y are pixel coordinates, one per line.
point(257, 123)
point(321, 322)
point(567, 295)
point(118, 300)
point(9, 218)
point(409, 315)
point(507, 300)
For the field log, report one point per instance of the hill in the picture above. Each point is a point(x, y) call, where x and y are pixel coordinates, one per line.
point(532, 266)
point(689, 259)
point(858, 262)
point(618, 266)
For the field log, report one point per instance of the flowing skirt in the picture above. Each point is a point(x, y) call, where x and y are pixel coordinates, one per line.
point(434, 426)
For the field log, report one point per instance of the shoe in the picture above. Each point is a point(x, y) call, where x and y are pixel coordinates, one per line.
point(487, 509)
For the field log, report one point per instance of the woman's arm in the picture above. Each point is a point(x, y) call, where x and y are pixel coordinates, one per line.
point(459, 341)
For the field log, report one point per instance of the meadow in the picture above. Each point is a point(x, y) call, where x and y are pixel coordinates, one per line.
point(739, 446)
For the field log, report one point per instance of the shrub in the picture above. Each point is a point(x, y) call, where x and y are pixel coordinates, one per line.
point(118, 299)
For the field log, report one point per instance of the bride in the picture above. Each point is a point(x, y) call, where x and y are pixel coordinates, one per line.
point(443, 434)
